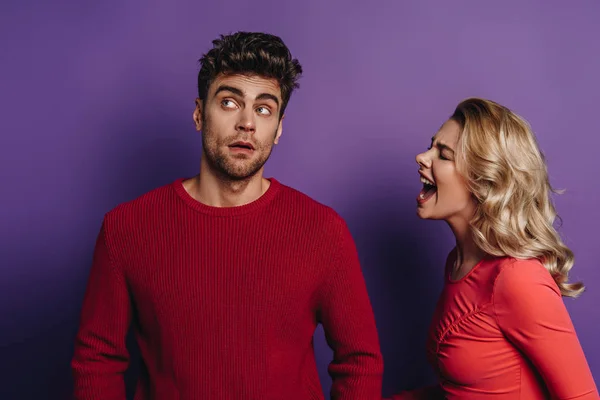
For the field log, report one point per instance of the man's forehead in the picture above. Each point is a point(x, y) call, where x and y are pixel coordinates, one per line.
point(249, 85)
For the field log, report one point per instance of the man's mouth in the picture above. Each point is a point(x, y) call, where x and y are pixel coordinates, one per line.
point(241, 145)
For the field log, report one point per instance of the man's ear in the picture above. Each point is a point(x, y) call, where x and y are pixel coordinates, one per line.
point(279, 130)
point(197, 115)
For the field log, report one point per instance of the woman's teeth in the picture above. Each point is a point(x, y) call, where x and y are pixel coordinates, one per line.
point(427, 181)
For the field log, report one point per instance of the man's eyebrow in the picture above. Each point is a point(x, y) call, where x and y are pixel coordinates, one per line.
point(240, 93)
point(234, 90)
point(268, 96)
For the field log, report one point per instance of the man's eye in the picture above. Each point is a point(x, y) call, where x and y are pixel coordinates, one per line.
point(263, 111)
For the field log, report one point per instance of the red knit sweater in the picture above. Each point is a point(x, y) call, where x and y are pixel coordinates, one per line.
point(225, 301)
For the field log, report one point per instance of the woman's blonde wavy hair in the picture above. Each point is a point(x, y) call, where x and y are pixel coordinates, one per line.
point(505, 170)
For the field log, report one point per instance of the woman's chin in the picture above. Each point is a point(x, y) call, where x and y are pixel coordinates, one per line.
point(423, 213)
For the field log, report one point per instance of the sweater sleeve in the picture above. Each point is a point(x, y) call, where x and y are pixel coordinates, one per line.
point(101, 357)
point(349, 325)
point(531, 313)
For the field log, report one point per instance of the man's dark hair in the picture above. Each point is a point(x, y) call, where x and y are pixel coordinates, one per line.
point(250, 53)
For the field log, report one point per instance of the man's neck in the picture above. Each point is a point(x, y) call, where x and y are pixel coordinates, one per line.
point(209, 189)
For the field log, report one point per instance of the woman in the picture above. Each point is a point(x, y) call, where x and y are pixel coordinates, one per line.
point(500, 330)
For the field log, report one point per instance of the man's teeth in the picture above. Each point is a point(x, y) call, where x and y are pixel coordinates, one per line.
point(427, 181)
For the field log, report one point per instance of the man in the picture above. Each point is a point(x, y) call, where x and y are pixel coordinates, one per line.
point(226, 275)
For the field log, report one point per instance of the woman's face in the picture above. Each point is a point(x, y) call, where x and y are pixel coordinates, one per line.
point(445, 194)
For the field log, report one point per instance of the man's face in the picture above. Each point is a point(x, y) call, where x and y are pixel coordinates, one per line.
point(240, 124)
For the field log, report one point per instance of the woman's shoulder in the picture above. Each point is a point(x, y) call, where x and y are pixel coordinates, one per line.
point(522, 277)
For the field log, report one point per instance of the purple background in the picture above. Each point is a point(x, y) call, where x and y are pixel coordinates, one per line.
point(96, 103)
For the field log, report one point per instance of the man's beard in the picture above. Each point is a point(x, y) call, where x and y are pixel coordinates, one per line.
point(232, 167)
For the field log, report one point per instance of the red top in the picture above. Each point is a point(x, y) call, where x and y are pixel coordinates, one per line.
point(503, 332)
point(225, 301)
